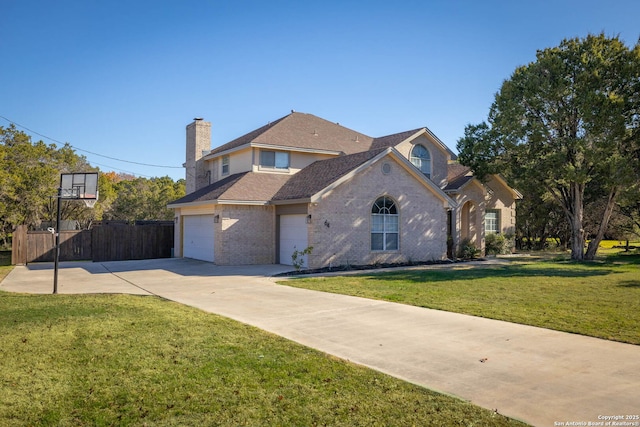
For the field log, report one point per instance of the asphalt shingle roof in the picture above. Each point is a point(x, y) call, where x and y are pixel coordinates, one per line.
point(456, 170)
point(306, 131)
point(392, 140)
point(457, 176)
point(247, 186)
point(320, 174)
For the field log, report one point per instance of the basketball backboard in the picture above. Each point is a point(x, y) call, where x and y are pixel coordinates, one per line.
point(79, 186)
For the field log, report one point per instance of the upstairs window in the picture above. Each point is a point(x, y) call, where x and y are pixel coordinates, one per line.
point(421, 159)
point(492, 221)
point(274, 159)
point(225, 165)
point(384, 225)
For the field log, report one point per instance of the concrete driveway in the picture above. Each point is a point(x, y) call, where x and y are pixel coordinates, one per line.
point(543, 377)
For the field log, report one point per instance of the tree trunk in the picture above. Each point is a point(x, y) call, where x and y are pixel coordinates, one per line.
point(604, 222)
point(577, 211)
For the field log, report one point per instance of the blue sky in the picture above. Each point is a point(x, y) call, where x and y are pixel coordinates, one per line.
point(123, 78)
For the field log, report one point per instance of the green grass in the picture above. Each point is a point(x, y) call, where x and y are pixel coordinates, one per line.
point(101, 360)
point(599, 299)
point(4, 270)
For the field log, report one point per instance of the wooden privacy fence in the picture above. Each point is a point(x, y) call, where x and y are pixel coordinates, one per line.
point(100, 243)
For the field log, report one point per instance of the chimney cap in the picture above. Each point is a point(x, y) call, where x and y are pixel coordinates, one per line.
point(197, 119)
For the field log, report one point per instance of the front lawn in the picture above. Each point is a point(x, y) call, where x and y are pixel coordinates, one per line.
point(599, 299)
point(102, 360)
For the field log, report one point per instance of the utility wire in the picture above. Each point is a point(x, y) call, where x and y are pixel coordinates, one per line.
point(121, 170)
point(87, 151)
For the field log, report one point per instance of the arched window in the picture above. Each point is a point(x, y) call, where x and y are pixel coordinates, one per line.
point(421, 159)
point(384, 225)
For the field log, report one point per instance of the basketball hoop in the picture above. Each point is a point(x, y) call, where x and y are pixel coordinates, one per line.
point(91, 202)
point(73, 186)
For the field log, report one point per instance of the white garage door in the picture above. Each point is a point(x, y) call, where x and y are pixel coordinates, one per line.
point(293, 235)
point(198, 237)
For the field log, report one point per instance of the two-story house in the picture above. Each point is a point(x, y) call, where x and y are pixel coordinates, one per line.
point(302, 181)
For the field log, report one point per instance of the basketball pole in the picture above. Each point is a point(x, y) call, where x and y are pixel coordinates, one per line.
point(73, 186)
point(57, 251)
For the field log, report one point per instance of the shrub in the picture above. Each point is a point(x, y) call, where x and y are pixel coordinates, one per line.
point(297, 257)
point(497, 244)
point(494, 244)
point(468, 250)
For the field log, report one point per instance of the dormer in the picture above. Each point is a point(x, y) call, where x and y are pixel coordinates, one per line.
point(422, 148)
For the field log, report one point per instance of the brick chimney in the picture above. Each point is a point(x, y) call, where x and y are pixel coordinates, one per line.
point(198, 145)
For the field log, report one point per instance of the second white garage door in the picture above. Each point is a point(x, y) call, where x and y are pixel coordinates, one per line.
point(197, 237)
point(293, 235)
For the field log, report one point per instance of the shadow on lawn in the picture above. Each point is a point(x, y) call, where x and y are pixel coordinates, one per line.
point(484, 272)
point(632, 258)
point(630, 284)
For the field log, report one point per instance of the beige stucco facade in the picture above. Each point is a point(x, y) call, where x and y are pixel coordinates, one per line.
point(248, 159)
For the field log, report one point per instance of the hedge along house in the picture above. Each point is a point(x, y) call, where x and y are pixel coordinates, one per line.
point(302, 181)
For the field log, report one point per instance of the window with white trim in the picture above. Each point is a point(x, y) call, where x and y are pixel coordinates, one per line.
point(492, 221)
point(274, 159)
point(225, 165)
point(421, 159)
point(384, 225)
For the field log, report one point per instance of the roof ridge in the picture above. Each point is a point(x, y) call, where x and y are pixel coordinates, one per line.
point(411, 132)
point(249, 136)
point(393, 139)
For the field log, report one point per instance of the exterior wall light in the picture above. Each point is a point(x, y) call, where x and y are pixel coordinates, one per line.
point(216, 219)
point(309, 219)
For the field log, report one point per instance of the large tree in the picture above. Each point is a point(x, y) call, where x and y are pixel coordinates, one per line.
point(566, 122)
point(29, 178)
point(142, 198)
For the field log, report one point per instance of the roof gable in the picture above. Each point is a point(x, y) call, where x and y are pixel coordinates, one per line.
point(500, 179)
point(318, 178)
point(397, 138)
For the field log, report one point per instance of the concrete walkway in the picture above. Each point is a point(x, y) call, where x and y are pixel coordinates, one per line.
point(536, 375)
